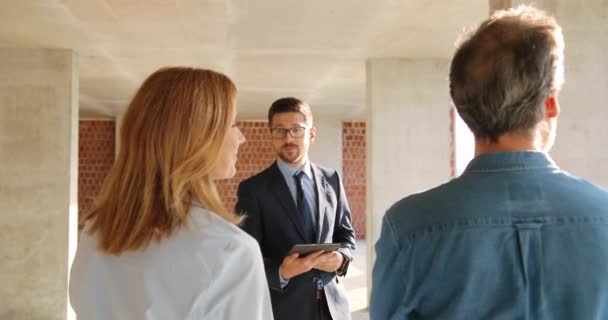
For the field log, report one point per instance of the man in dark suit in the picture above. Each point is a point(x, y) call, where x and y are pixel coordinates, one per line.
point(294, 202)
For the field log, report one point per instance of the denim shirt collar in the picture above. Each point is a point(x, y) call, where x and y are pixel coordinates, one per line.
point(509, 161)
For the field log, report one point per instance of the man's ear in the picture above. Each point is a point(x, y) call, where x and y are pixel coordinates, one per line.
point(313, 134)
point(552, 106)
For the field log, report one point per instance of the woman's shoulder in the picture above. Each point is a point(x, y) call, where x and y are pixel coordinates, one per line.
point(212, 226)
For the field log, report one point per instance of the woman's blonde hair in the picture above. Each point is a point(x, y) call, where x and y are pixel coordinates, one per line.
point(170, 140)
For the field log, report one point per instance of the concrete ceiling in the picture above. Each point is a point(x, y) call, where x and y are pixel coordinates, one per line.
point(315, 50)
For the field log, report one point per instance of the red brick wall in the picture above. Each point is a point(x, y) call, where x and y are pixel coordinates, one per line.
point(254, 155)
point(95, 158)
point(353, 169)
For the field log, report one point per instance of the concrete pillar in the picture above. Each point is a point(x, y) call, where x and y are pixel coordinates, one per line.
point(38, 181)
point(505, 4)
point(464, 144)
point(499, 4)
point(580, 144)
point(408, 133)
point(327, 148)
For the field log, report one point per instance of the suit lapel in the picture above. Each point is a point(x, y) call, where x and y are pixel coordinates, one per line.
point(321, 200)
point(281, 191)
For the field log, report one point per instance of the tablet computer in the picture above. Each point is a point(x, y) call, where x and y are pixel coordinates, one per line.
point(304, 249)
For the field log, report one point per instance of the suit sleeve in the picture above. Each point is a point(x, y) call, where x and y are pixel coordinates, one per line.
point(248, 204)
point(343, 229)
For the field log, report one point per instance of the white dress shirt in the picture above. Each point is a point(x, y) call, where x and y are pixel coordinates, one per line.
point(208, 270)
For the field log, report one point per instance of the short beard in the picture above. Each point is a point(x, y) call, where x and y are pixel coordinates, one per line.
point(285, 159)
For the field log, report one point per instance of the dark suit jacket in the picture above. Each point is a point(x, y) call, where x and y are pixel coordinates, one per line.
point(272, 218)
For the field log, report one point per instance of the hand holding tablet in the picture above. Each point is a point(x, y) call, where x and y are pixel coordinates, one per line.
point(305, 249)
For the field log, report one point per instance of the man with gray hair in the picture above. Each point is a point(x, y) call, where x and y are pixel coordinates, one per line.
point(514, 237)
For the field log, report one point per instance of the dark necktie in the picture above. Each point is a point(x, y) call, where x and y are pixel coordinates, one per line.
point(304, 208)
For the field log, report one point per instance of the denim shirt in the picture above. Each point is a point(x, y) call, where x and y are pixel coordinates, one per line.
point(514, 237)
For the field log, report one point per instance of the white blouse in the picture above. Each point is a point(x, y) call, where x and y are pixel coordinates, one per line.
point(208, 270)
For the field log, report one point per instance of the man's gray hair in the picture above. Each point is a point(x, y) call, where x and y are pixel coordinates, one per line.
point(504, 71)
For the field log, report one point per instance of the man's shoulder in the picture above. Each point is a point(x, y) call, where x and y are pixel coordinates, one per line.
point(469, 198)
point(581, 183)
point(326, 171)
point(420, 199)
point(423, 207)
point(580, 192)
point(258, 178)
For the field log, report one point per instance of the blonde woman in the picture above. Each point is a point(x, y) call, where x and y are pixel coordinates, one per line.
point(158, 243)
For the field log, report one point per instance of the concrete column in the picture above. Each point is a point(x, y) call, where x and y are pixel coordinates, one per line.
point(581, 136)
point(499, 4)
point(408, 133)
point(464, 144)
point(38, 181)
point(505, 4)
point(327, 148)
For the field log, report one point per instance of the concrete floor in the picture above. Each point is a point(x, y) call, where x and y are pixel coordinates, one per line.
point(356, 283)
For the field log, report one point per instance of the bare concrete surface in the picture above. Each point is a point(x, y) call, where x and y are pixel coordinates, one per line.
point(356, 283)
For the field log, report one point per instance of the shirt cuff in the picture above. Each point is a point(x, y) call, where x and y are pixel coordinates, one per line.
point(344, 267)
point(282, 281)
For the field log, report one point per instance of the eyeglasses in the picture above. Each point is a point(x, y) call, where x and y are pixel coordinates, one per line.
point(281, 133)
